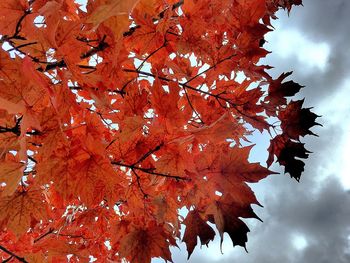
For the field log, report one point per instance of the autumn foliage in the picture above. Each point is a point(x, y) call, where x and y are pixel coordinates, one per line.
point(115, 116)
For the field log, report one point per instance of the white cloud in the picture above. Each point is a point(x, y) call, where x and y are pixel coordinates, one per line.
point(299, 242)
point(336, 113)
point(289, 43)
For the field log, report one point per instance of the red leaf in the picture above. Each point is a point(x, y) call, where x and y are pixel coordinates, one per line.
point(196, 227)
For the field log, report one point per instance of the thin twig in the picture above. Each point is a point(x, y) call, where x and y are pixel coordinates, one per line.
point(102, 45)
point(210, 68)
point(151, 54)
point(194, 110)
point(157, 148)
point(8, 259)
point(32, 159)
point(101, 117)
point(51, 230)
point(138, 179)
point(122, 90)
point(20, 46)
point(151, 171)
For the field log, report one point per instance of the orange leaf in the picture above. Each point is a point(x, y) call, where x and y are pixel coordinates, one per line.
point(143, 243)
point(20, 210)
point(109, 9)
point(11, 173)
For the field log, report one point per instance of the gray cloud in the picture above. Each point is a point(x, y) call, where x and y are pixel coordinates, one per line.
point(320, 21)
point(322, 218)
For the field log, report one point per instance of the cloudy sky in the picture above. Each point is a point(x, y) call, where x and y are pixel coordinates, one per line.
point(305, 222)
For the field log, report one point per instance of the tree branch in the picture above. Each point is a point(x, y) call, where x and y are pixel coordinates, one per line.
point(19, 23)
point(102, 45)
point(216, 96)
point(44, 235)
point(151, 171)
point(183, 85)
point(60, 64)
point(20, 46)
point(15, 129)
point(13, 254)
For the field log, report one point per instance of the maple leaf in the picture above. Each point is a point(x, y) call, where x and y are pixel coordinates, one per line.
point(11, 173)
point(297, 121)
point(196, 227)
point(278, 90)
point(224, 213)
point(22, 210)
point(35, 257)
point(232, 166)
point(10, 12)
point(108, 9)
point(287, 151)
point(57, 248)
point(143, 243)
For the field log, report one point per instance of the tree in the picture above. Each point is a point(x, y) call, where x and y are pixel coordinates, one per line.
point(114, 117)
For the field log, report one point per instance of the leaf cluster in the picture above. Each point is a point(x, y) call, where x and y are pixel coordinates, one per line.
point(115, 117)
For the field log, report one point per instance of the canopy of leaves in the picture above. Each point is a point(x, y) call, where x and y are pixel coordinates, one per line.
point(117, 114)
